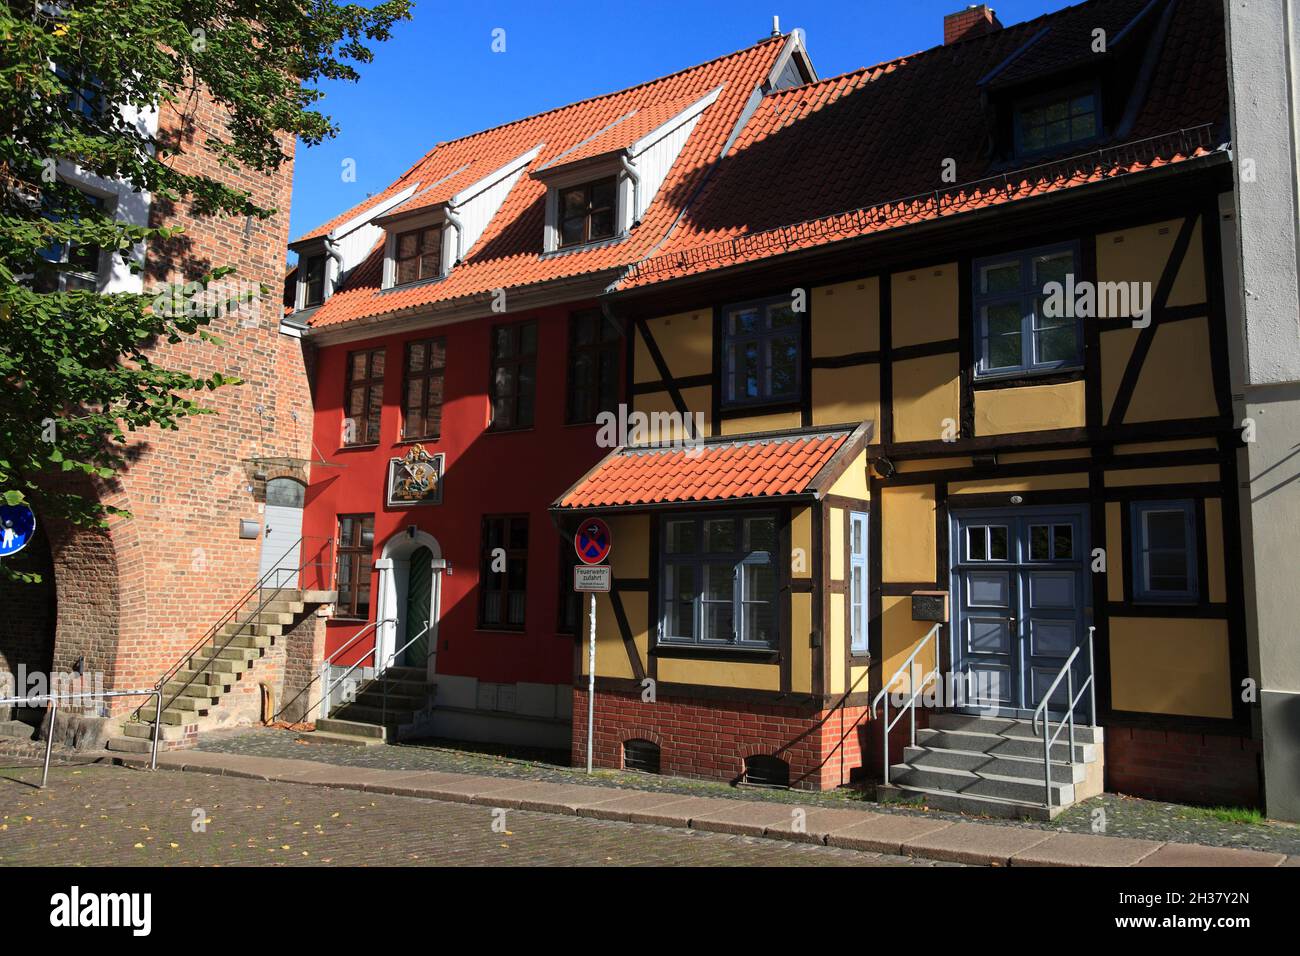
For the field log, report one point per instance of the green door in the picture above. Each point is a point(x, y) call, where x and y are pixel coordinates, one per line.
point(419, 594)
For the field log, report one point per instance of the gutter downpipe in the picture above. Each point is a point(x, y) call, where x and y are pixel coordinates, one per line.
point(332, 250)
point(454, 219)
point(633, 175)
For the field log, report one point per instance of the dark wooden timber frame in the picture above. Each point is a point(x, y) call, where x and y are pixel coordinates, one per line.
point(1188, 197)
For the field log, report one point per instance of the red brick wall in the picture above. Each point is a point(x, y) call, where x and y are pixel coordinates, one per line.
point(134, 599)
point(710, 739)
point(1183, 767)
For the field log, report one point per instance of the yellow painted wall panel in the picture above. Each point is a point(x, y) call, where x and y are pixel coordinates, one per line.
point(1116, 347)
point(907, 530)
point(926, 397)
point(836, 647)
point(836, 541)
point(846, 318)
point(853, 483)
point(1170, 666)
point(674, 670)
point(900, 635)
point(1177, 380)
point(698, 403)
point(801, 543)
point(1114, 551)
point(801, 625)
point(1139, 255)
point(1029, 483)
point(1183, 474)
point(1001, 411)
point(685, 341)
point(844, 395)
point(1216, 585)
point(611, 654)
point(632, 532)
point(924, 306)
point(761, 423)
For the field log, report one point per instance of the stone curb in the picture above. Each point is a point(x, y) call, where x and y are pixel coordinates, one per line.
point(972, 843)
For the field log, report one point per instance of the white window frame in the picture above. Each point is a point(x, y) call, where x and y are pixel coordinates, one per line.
point(397, 227)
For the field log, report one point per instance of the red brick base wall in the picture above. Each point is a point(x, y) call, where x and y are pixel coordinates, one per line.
point(1183, 767)
point(711, 739)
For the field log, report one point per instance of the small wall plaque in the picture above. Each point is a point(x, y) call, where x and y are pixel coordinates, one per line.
point(930, 606)
point(415, 479)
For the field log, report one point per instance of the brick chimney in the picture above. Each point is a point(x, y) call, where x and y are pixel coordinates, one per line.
point(975, 20)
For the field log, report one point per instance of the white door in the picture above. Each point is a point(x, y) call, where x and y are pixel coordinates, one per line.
point(282, 533)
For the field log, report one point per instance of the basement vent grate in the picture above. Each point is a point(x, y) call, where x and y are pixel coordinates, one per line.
point(765, 771)
point(641, 755)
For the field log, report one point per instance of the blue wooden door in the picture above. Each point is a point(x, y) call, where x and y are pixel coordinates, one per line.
point(1020, 604)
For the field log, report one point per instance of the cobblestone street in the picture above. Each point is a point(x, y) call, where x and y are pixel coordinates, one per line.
point(96, 815)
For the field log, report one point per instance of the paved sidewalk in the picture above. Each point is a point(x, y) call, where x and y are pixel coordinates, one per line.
point(915, 836)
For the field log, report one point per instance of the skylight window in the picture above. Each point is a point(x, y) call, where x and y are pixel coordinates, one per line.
point(1060, 120)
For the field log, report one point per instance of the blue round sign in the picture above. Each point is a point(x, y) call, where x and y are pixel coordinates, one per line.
point(17, 525)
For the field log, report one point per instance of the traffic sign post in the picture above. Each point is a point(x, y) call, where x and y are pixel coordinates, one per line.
point(592, 544)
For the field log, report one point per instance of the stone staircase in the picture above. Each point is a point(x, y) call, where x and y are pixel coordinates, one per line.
point(192, 694)
point(993, 766)
point(368, 721)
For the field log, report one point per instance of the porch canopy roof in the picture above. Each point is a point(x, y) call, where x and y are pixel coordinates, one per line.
point(735, 468)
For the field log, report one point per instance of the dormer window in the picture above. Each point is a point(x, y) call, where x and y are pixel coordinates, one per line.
point(1060, 119)
point(313, 281)
point(587, 211)
point(419, 254)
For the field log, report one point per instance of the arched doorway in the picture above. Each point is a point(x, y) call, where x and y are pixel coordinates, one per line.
point(410, 575)
point(282, 533)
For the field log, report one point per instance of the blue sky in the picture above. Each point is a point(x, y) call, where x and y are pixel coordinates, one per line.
point(438, 78)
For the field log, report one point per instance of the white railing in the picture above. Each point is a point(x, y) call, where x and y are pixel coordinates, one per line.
point(913, 686)
point(326, 664)
point(1066, 673)
point(53, 701)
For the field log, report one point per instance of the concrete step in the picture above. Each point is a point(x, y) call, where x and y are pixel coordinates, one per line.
point(365, 713)
point(196, 688)
point(315, 597)
point(326, 736)
point(355, 731)
point(278, 606)
point(265, 616)
point(1020, 768)
point(411, 688)
point(248, 640)
point(1009, 727)
point(1004, 746)
point(969, 803)
point(219, 681)
point(263, 630)
point(176, 717)
point(374, 697)
point(130, 745)
point(971, 783)
point(144, 729)
point(418, 674)
point(232, 663)
point(195, 705)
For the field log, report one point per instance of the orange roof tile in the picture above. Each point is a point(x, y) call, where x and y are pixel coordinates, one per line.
point(866, 152)
point(509, 253)
point(716, 470)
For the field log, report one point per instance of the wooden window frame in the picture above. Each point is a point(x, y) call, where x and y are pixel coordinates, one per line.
point(308, 283)
point(584, 404)
point(517, 362)
point(1026, 295)
point(419, 255)
point(859, 561)
point(697, 560)
point(588, 189)
point(1142, 592)
point(427, 376)
point(360, 558)
point(1068, 96)
point(764, 339)
point(502, 584)
point(370, 382)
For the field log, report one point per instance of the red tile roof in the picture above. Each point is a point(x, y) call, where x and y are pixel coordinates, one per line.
point(725, 470)
point(865, 152)
point(509, 253)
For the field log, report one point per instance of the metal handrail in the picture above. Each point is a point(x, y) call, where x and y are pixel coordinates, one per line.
point(372, 653)
point(383, 684)
point(910, 706)
point(53, 701)
point(1066, 673)
point(229, 615)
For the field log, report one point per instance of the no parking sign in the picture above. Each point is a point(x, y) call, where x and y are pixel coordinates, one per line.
point(592, 541)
